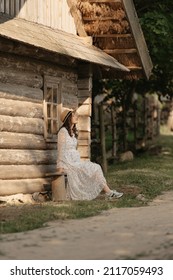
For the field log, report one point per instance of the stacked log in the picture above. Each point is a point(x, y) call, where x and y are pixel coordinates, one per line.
point(25, 155)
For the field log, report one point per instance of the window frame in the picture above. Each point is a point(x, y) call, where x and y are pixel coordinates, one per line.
point(52, 106)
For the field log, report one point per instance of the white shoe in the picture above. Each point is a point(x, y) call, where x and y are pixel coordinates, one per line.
point(114, 194)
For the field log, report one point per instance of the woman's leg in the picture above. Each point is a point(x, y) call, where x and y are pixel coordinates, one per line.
point(106, 189)
point(112, 193)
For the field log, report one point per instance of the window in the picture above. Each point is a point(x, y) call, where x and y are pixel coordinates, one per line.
point(52, 107)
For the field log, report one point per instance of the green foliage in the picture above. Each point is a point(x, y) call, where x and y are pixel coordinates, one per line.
point(156, 18)
point(157, 33)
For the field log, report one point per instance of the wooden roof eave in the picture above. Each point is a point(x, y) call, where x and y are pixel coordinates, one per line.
point(141, 51)
point(138, 37)
point(55, 41)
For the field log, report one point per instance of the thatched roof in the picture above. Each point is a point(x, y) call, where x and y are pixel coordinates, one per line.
point(55, 41)
point(114, 28)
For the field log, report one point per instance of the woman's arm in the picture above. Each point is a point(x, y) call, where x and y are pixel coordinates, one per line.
point(60, 169)
point(61, 147)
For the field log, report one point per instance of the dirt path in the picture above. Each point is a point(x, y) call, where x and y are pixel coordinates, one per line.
point(126, 233)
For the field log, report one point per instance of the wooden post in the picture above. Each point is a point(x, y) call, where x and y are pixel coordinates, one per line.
point(58, 182)
point(124, 130)
point(102, 138)
point(58, 189)
point(135, 123)
point(114, 133)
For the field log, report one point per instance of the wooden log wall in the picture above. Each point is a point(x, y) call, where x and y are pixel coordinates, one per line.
point(53, 13)
point(25, 156)
point(84, 110)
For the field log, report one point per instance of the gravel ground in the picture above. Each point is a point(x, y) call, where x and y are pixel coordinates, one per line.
point(120, 233)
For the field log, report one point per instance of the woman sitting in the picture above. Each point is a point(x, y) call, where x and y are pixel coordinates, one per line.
point(85, 178)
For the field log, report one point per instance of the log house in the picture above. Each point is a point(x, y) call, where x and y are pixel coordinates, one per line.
point(45, 66)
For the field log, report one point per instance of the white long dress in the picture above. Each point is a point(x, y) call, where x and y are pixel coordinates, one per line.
point(85, 178)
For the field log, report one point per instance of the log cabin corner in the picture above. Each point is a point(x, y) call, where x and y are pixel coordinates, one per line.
point(48, 57)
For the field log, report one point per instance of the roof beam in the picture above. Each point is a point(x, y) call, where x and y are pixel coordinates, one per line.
point(134, 68)
point(99, 18)
point(138, 36)
point(77, 18)
point(61, 43)
point(120, 51)
point(112, 36)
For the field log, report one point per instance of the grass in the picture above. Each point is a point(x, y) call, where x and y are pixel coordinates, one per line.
point(152, 174)
point(146, 177)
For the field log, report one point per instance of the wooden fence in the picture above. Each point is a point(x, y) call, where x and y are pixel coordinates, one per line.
point(118, 130)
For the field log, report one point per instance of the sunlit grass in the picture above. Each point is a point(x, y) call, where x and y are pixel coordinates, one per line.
point(151, 173)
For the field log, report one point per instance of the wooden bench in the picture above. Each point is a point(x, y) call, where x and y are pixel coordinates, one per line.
point(58, 185)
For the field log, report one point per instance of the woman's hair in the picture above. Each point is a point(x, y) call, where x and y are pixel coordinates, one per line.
point(67, 124)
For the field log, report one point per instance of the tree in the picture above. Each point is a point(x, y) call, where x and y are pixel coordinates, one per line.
point(156, 18)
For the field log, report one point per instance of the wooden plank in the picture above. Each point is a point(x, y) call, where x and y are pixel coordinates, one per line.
point(120, 51)
point(70, 21)
point(138, 36)
point(64, 16)
point(11, 8)
point(31, 10)
point(22, 12)
point(8, 187)
point(84, 151)
point(9, 172)
point(55, 18)
point(55, 173)
point(84, 93)
point(59, 192)
point(10, 140)
point(2, 6)
point(77, 18)
point(83, 142)
point(48, 12)
point(16, 7)
point(85, 84)
point(44, 12)
point(99, 19)
point(84, 110)
point(84, 100)
point(7, 7)
point(134, 68)
point(27, 157)
point(40, 16)
point(59, 13)
point(21, 78)
point(84, 135)
point(84, 123)
point(102, 138)
point(17, 62)
point(85, 70)
point(112, 36)
point(25, 109)
point(19, 92)
point(20, 124)
point(64, 43)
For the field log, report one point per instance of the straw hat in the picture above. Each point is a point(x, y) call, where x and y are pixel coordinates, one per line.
point(65, 114)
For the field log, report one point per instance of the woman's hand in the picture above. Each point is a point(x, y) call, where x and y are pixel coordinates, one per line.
point(61, 170)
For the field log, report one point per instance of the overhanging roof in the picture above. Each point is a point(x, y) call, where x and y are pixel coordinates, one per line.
point(55, 41)
point(115, 28)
